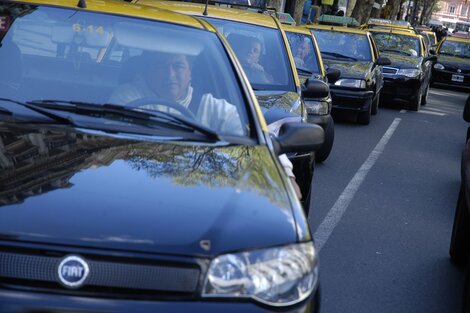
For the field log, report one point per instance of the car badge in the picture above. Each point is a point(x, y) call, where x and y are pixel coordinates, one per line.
point(73, 271)
point(459, 71)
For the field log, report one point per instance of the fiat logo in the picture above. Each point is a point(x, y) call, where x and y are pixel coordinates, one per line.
point(73, 271)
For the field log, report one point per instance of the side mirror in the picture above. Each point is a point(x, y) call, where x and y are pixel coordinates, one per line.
point(383, 61)
point(315, 89)
point(332, 74)
point(431, 58)
point(466, 110)
point(299, 137)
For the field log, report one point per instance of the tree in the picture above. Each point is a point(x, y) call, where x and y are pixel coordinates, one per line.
point(362, 10)
point(375, 13)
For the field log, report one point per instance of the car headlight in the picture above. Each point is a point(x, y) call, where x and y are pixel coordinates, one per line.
point(318, 107)
point(439, 66)
point(277, 276)
point(408, 72)
point(354, 83)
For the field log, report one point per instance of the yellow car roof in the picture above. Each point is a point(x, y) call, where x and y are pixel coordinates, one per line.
point(396, 31)
point(125, 8)
point(295, 29)
point(458, 39)
point(197, 9)
point(337, 29)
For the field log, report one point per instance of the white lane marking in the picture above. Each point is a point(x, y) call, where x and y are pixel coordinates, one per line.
point(336, 212)
point(431, 113)
point(430, 108)
point(403, 111)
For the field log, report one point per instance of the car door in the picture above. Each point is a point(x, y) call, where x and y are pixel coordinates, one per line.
point(376, 69)
point(426, 65)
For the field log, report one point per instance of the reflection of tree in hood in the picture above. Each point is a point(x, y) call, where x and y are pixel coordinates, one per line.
point(232, 167)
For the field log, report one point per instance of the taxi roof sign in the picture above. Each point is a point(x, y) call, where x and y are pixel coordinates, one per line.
point(285, 18)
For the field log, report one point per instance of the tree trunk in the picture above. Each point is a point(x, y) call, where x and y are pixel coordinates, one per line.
point(426, 15)
point(350, 8)
point(395, 8)
point(362, 10)
point(299, 10)
point(375, 13)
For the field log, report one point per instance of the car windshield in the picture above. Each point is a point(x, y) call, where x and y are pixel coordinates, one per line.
point(304, 52)
point(455, 48)
point(336, 44)
point(397, 43)
point(84, 57)
point(262, 53)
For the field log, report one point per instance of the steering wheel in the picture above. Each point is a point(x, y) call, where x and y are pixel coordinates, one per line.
point(142, 102)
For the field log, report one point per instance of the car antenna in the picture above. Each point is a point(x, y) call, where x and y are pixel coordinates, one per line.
point(205, 9)
point(81, 4)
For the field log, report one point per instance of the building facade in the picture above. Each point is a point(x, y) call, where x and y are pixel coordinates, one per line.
point(454, 14)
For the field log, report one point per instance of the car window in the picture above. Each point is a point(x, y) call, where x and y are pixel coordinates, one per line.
point(409, 45)
point(91, 57)
point(262, 53)
point(455, 48)
point(348, 44)
point(304, 52)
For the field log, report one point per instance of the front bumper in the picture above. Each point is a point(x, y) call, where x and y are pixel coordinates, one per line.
point(450, 78)
point(400, 87)
point(23, 301)
point(351, 100)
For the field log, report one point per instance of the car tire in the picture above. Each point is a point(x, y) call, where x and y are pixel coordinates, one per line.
point(324, 152)
point(415, 102)
point(364, 117)
point(375, 105)
point(424, 97)
point(459, 242)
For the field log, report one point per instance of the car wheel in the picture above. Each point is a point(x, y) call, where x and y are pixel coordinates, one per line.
point(424, 97)
point(324, 152)
point(364, 117)
point(375, 105)
point(415, 102)
point(459, 242)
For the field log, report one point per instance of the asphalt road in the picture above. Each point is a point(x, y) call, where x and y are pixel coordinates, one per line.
point(383, 206)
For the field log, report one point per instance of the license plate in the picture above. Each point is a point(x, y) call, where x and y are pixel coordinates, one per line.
point(457, 78)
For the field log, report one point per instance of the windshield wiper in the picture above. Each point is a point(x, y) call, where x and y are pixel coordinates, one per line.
point(338, 55)
point(111, 110)
point(304, 71)
point(397, 51)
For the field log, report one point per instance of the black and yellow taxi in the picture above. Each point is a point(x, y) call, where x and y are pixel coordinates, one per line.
point(352, 51)
point(261, 46)
point(137, 170)
point(407, 78)
point(452, 66)
point(309, 65)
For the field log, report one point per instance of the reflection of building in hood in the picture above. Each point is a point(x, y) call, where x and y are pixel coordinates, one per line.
point(35, 163)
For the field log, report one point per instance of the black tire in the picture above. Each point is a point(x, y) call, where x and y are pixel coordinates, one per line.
point(415, 102)
point(324, 152)
point(424, 97)
point(364, 117)
point(466, 290)
point(375, 105)
point(459, 243)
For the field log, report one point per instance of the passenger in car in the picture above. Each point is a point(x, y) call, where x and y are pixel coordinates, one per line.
point(248, 50)
point(302, 53)
point(168, 78)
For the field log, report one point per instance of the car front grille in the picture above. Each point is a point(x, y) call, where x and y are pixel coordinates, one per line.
point(389, 70)
point(119, 276)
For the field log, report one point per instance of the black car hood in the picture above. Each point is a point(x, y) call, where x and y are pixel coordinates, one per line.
point(279, 104)
point(63, 187)
point(448, 60)
point(357, 70)
point(401, 60)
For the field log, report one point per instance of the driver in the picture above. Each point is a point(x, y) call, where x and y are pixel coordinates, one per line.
point(168, 77)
